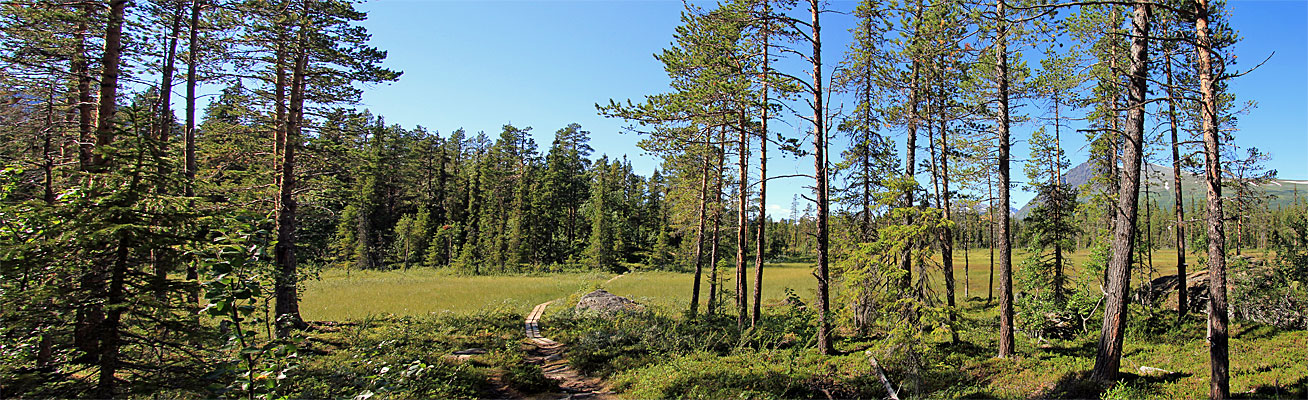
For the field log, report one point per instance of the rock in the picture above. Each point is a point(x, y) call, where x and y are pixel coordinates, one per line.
point(1153, 371)
point(471, 351)
point(603, 302)
point(1162, 291)
point(1061, 326)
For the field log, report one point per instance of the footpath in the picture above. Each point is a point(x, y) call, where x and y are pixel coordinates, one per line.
point(552, 357)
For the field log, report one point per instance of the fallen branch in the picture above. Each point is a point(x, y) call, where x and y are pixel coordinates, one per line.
point(881, 374)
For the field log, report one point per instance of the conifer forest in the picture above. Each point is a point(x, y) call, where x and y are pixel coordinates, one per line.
point(946, 199)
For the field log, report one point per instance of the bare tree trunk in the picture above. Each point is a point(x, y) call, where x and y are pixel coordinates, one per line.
point(109, 71)
point(193, 58)
point(967, 267)
point(162, 127)
point(761, 238)
point(699, 235)
point(820, 173)
point(742, 224)
point(1056, 169)
point(1109, 356)
point(990, 224)
point(85, 101)
point(940, 189)
point(165, 121)
point(717, 221)
point(1220, 385)
point(1006, 345)
point(47, 146)
point(946, 233)
point(910, 159)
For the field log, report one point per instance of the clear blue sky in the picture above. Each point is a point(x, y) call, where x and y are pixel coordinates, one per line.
point(478, 65)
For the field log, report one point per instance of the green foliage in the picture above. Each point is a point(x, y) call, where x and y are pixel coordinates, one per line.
point(237, 285)
point(606, 345)
point(409, 357)
point(85, 281)
point(1121, 390)
point(1275, 291)
point(751, 373)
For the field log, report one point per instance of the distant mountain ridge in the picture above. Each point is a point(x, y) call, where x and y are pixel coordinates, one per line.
point(1156, 186)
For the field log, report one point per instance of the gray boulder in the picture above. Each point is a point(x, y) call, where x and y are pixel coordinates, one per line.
point(603, 302)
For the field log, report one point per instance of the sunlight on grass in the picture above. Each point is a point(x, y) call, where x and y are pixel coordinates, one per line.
point(423, 291)
point(671, 290)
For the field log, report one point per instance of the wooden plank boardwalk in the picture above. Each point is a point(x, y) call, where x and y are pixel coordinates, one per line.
point(549, 354)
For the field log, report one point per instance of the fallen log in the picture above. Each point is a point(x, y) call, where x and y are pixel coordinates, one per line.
point(881, 374)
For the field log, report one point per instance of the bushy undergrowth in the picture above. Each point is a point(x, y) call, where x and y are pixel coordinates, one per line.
point(604, 345)
point(656, 355)
point(410, 357)
point(1276, 294)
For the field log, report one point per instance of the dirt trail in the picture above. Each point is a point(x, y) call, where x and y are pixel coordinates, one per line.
point(550, 355)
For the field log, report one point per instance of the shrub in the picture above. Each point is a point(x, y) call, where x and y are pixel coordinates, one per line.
point(1275, 294)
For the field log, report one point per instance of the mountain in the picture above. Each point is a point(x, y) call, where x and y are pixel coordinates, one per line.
point(1157, 187)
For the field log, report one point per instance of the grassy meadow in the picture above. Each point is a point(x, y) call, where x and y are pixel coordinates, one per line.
point(661, 355)
point(337, 296)
point(421, 291)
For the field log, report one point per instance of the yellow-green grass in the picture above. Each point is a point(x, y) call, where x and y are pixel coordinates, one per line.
point(337, 296)
point(974, 274)
point(672, 290)
point(1262, 358)
point(423, 291)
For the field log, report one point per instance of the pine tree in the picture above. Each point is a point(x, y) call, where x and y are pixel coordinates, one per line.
point(1108, 357)
point(599, 251)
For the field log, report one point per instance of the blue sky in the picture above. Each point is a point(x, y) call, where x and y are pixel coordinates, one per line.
point(478, 65)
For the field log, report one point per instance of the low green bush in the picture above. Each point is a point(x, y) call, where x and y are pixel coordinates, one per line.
point(410, 357)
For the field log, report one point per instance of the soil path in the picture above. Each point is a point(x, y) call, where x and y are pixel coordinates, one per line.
point(550, 355)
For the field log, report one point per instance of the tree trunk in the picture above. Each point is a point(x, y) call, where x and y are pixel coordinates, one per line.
point(89, 336)
point(109, 71)
point(1109, 356)
point(760, 239)
point(868, 123)
point(288, 306)
point(820, 167)
point(742, 225)
point(967, 265)
point(193, 58)
point(990, 225)
point(717, 222)
point(699, 235)
point(85, 106)
point(910, 153)
point(1006, 345)
point(165, 121)
point(1220, 385)
point(1056, 169)
point(947, 233)
point(110, 330)
point(162, 132)
point(47, 146)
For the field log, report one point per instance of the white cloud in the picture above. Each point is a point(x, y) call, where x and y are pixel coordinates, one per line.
point(776, 212)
